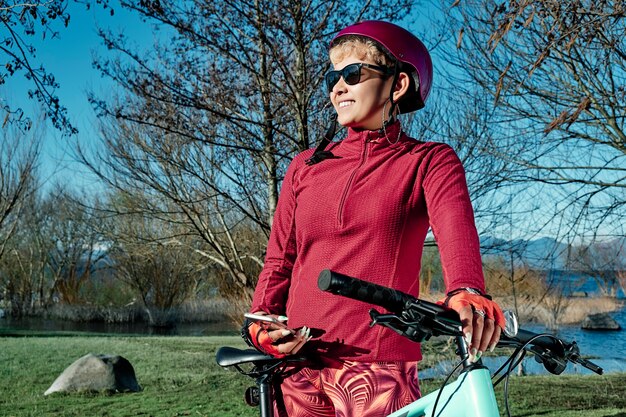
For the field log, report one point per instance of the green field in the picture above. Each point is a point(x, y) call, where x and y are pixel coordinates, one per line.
point(179, 377)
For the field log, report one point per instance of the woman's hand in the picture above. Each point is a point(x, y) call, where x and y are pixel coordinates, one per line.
point(482, 321)
point(277, 340)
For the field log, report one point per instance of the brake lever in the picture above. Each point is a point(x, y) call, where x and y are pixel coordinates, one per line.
point(409, 329)
point(555, 364)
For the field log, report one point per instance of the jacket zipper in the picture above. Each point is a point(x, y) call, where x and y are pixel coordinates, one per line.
point(346, 190)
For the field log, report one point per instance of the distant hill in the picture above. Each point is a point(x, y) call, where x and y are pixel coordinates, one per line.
point(547, 253)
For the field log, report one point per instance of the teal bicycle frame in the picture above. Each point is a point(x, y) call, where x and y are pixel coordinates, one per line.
point(470, 395)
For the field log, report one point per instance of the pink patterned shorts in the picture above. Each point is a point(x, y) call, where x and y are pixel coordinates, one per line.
point(366, 389)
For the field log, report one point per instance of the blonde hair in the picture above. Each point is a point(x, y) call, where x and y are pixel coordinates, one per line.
point(362, 47)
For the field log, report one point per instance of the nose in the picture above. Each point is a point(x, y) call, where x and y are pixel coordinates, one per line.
point(339, 87)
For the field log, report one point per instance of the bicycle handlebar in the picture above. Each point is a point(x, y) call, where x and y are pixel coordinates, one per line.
point(340, 284)
point(430, 319)
point(434, 319)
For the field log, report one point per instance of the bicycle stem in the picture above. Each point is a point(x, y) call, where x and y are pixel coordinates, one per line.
point(461, 346)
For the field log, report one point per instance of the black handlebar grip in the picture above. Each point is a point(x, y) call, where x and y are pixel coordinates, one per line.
point(553, 344)
point(340, 284)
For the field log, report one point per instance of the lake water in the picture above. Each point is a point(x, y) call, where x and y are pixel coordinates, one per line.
point(573, 282)
point(606, 349)
point(603, 344)
point(182, 329)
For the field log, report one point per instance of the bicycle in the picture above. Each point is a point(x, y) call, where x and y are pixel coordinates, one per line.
point(471, 394)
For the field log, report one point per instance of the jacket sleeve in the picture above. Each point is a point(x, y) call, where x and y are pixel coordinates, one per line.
point(272, 288)
point(452, 220)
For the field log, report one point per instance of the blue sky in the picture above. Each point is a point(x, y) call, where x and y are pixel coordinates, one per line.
point(69, 57)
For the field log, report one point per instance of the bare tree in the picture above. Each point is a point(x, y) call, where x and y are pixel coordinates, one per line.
point(19, 155)
point(431, 274)
point(604, 262)
point(556, 73)
point(530, 292)
point(23, 279)
point(158, 258)
point(211, 118)
point(621, 279)
point(73, 244)
point(20, 21)
point(463, 119)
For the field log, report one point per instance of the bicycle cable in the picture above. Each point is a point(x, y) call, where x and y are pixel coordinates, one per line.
point(516, 356)
point(519, 355)
point(443, 385)
point(514, 360)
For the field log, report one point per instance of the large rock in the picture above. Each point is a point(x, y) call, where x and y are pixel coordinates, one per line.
point(97, 373)
point(601, 321)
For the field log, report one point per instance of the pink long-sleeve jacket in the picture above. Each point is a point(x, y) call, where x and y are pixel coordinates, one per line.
point(366, 213)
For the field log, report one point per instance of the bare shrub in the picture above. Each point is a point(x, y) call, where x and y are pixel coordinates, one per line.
point(208, 310)
point(90, 313)
point(579, 308)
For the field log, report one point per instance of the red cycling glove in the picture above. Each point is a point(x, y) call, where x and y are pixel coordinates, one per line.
point(457, 300)
point(256, 335)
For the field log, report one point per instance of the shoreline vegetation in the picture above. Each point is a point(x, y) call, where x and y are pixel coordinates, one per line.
point(551, 312)
point(179, 376)
point(196, 311)
point(554, 312)
point(573, 310)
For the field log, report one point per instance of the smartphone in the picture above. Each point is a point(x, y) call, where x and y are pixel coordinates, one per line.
point(265, 319)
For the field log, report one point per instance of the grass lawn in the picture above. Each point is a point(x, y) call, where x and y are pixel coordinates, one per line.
point(179, 377)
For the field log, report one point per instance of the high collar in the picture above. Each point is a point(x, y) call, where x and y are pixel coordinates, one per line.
point(389, 137)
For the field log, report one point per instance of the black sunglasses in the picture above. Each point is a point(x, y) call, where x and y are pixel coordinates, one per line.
point(352, 74)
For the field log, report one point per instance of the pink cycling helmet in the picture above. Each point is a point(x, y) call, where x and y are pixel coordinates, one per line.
point(406, 49)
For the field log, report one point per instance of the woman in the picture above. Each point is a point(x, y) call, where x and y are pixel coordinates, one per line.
point(363, 207)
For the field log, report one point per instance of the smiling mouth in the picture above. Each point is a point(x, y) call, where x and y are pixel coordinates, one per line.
point(346, 103)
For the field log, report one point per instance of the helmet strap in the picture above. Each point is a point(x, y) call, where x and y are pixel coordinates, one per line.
point(320, 152)
point(396, 75)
